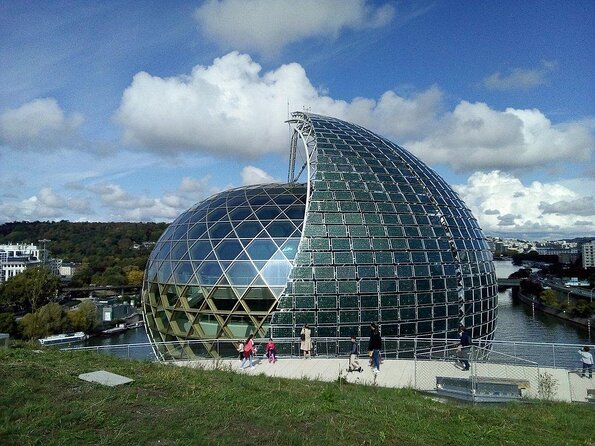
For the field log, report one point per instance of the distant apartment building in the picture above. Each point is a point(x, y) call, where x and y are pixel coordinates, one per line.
point(565, 255)
point(589, 254)
point(16, 258)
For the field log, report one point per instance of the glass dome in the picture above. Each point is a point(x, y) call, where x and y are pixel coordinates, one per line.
point(373, 235)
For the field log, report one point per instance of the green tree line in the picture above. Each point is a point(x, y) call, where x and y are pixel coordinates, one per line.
point(104, 250)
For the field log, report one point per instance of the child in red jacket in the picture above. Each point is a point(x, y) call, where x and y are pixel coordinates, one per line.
point(270, 351)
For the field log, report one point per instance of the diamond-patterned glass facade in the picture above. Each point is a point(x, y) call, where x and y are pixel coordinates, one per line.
point(373, 236)
point(220, 267)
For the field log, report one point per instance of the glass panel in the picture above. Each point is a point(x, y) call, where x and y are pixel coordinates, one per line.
point(276, 272)
point(261, 249)
point(200, 250)
point(280, 229)
point(228, 249)
point(290, 248)
point(209, 273)
point(183, 272)
point(248, 229)
point(241, 273)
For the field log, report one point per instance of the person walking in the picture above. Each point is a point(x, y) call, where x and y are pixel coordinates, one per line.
point(354, 353)
point(248, 352)
point(587, 360)
point(464, 347)
point(271, 352)
point(306, 341)
point(241, 351)
point(374, 346)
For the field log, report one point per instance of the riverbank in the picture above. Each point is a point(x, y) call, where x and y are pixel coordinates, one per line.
point(44, 401)
point(556, 312)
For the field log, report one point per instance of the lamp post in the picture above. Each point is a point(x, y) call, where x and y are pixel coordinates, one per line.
point(592, 289)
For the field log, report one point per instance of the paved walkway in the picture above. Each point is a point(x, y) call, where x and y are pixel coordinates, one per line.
point(401, 373)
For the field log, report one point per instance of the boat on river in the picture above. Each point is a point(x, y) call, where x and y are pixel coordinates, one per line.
point(64, 338)
point(120, 328)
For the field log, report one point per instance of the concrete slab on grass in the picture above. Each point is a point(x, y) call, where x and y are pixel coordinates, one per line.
point(105, 378)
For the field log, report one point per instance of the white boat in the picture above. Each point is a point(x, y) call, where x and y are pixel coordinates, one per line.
point(115, 330)
point(64, 338)
point(136, 324)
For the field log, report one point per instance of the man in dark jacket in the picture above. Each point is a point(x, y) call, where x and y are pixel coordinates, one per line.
point(464, 347)
point(374, 346)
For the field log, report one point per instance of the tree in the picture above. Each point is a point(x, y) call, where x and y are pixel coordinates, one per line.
point(135, 276)
point(52, 315)
point(49, 319)
point(29, 290)
point(84, 317)
point(550, 298)
point(32, 327)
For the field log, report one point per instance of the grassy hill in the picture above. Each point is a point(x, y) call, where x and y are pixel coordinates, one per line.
point(43, 402)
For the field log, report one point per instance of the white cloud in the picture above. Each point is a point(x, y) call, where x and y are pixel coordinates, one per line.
point(45, 204)
point(253, 175)
point(266, 26)
point(121, 205)
point(520, 78)
point(231, 109)
point(584, 206)
point(38, 125)
point(504, 205)
point(475, 136)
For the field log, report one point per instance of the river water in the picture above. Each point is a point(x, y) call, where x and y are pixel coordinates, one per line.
point(516, 322)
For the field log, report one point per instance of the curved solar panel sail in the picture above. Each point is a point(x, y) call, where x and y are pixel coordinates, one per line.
point(385, 239)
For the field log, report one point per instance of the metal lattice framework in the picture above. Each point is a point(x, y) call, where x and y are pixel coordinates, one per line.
point(374, 235)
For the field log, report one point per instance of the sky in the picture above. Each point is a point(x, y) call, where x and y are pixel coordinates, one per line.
point(135, 111)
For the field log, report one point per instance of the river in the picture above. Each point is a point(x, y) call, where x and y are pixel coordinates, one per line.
point(516, 322)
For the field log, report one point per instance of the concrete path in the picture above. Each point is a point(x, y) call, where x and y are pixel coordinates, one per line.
point(421, 375)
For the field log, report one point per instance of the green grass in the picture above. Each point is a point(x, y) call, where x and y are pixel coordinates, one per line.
point(43, 402)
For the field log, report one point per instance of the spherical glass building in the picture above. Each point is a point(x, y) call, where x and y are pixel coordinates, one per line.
point(371, 235)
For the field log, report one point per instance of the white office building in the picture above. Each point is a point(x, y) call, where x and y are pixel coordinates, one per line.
point(16, 258)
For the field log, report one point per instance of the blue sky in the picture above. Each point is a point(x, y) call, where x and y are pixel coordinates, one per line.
point(133, 111)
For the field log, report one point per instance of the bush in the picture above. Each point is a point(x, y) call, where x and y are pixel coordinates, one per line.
point(8, 323)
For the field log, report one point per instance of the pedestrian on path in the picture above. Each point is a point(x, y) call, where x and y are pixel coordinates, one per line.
point(354, 353)
point(306, 341)
point(374, 346)
point(587, 360)
point(464, 347)
point(271, 352)
point(241, 351)
point(248, 352)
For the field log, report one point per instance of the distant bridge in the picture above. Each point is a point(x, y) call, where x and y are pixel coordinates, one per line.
point(509, 282)
point(104, 287)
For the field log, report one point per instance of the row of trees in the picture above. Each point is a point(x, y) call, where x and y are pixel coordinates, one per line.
point(105, 251)
point(29, 290)
point(552, 299)
point(50, 319)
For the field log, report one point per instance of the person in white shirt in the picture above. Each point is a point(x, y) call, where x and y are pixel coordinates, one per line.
point(587, 359)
